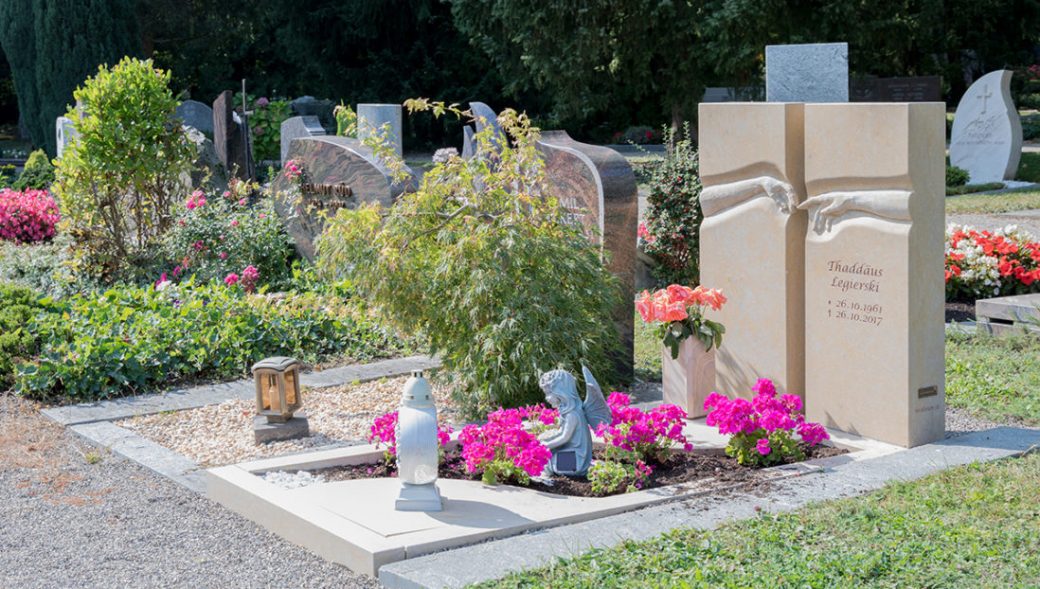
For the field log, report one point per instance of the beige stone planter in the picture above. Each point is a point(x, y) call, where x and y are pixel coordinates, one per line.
point(690, 378)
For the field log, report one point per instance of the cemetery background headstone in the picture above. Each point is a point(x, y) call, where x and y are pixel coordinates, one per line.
point(196, 114)
point(484, 116)
point(309, 106)
point(467, 142)
point(372, 117)
point(874, 288)
point(752, 241)
point(815, 72)
point(905, 89)
point(338, 172)
point(64, 132)
point(228, 136)
point(296, 127)
point(986, 139)
point(732, 94)
point(597, 185)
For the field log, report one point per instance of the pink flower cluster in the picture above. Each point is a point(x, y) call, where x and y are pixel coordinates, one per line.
point(648, 434)
point(27, 217)
point(539, 414)
point(384, 432)
point(249, 278)
point(503, 439)
point(763, 415)
point(196, 200)
point(293, 170)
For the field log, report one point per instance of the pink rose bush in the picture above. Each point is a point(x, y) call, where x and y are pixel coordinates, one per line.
point(293, 170)
point(28, 216)
point(679, 313)
point(503, 449)
point(635, 435)
point(762, 430)
point(384, 433)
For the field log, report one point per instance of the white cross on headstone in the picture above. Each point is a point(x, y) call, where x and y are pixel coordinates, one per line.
point(984, 96)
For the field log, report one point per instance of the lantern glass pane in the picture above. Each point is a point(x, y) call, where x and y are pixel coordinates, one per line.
point(290, 388)
point(272, 402)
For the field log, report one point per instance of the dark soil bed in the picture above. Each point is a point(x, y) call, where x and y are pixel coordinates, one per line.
point(960, 311)
point(682, 467)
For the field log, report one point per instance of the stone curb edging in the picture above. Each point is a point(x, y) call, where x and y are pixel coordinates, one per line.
point(191, 398)
point(482, 562)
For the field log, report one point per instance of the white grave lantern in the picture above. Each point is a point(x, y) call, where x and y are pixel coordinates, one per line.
point(417, 447)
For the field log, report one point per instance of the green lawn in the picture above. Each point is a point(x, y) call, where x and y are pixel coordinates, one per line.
point(973, 526)
point(993, 203)
point(994, 377)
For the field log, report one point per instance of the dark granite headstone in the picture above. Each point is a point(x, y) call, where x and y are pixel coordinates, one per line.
point(906, 89)
point(228, 136)
point(195, 114)
point(309, 106)
point(597, 185)
point(338, 172)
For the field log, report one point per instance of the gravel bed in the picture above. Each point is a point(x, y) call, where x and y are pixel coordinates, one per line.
point(960, 422)
point(74, 516)
point(222, 434)
point(992, 222)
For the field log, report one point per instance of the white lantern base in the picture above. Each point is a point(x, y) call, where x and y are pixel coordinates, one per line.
point(419, 498)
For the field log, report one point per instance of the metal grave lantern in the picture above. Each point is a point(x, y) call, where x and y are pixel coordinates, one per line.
point(417, 448)
point(278, 398)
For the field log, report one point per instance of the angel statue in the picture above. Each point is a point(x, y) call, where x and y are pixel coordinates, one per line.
point(571, 445)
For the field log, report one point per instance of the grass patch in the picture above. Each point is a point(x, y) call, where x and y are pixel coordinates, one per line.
point(1029, 167)
point(972, 188)
point(972, 526)
point(647, 351)
point(993, 203)
point(995, 377)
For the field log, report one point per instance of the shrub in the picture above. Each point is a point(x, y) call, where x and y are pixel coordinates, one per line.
point(42, 267)
point(982, 264)
point(762, 430)
point(670, 234)
point(7, 174)
point(132, 339)
point(216, 235)
point(956, 176)
point(118, 181)
point(266, 123)
point(38, 173)
point(636, 436)
point(502, 449)
point(27, 217)
point(346, 120)
point(18, 305)
point(482, 267)
point(608, 477)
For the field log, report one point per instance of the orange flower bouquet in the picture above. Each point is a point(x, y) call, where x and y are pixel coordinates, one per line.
point(679, 313)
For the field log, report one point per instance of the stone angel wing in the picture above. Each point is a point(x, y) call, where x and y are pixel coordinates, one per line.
point(597, 411)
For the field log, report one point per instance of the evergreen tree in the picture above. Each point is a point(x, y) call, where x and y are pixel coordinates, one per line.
point(53, 45)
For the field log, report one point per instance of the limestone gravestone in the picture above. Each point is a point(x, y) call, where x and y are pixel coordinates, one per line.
point(874, 288)
point(597, 185)
point(752, 241)
point(907, 89)
point(296, 127)
point(196, 114)
point(986, 139)
point(372, 118)
point(338, 172)
point(816, 72)
point(229, 139)
point(64, 132)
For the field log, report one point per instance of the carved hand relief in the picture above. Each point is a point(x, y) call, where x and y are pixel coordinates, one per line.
point(721, 197)
point(825, 210)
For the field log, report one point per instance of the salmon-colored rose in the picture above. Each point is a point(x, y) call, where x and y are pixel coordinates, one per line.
point(645, 306)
